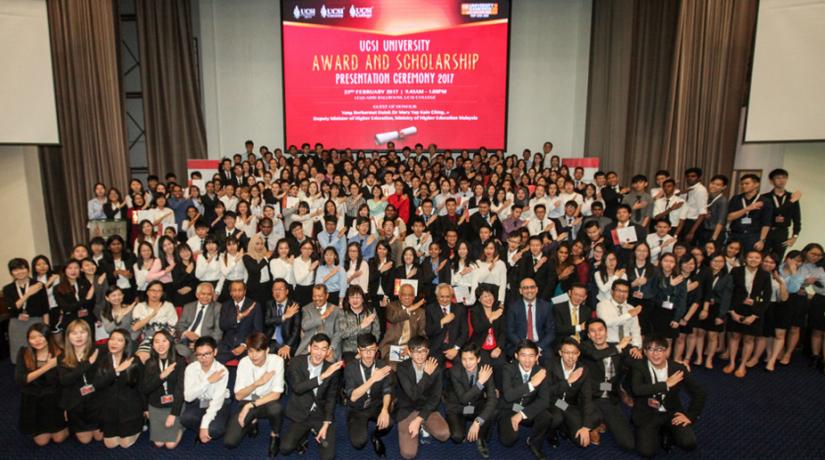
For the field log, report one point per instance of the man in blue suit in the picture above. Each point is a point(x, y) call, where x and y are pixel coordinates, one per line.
point(240, 317)
point(530, 311)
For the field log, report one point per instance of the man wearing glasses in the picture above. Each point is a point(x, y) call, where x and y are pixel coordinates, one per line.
point(657, 382)
point(530, 318)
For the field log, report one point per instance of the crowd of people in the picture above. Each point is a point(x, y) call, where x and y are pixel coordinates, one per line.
point(441, 294)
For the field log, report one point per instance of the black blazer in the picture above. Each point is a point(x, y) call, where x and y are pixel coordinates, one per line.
point(525, 269)
point(644, 388)
point(515, 391)
point(152, 386)
point(120, 395)
point(481, 325)
point(300, 402)
point(564, 323)
point(36, 305)
point(460, 394)
point(234, 333)
point(70, 305)
point(760, 293)
point(72, 379)
point(107, 266)
point(593, 358)
point(578, 395)
point(353, 380)
point(290, 329)
point(180, 279)
point(455, 330)
point(612, 199)
point(221, 236)
point(476, 222)
point(385, 279)
point(423, 396)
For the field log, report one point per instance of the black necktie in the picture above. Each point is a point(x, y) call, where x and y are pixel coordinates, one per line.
point(472, 380)
point(198, 318)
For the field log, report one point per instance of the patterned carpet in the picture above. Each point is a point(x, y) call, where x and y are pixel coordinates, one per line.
point(763, 416)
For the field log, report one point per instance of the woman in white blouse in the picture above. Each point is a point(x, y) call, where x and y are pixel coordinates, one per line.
point(303, 272)
point(143, 265)
point(358, 271)
point(151, 316)
point(281, 264)
point(245, 221)
point(232, 268)
point(208, 265)
point(491, 270)
point(607, 273)
point(463, 272)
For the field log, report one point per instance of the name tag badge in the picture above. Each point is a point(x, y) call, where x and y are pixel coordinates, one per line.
point(167, 399)
point(82, 313)
point(469, 410)
point(518, 408)
point(667, 305)
point(562, 404)
point(605, 386)
point(203, 403)
point(87, 389)
point(746, 220)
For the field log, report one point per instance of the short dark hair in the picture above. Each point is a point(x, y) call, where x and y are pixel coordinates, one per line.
point(206, 340)
point(416, 342)
point(18, 263)
point(320, 337)
point(620, 282)
point(596, 321)
point(694, 170)
point(570, 341)
point(655, 339)
point(257, 341)
point(720, 177)
point(526, 343)
point(365, 340)
point(752, 177)
point(471, 347)
point(777, 172)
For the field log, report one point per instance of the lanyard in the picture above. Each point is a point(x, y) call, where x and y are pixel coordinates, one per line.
point(21, 292)
point(778, 202)
point(364, 376)
point(163, 364)
point(745, 204)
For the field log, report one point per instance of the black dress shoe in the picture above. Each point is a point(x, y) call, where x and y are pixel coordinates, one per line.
point(274, 446)
point(481, 445)
point(253, 432)
point(536, 451)
point(378, 446)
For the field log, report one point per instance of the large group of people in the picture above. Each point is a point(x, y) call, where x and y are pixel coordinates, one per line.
point(436, 294)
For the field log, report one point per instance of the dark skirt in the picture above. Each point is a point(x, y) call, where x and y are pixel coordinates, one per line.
point(755, 329)
point(644, 317)
point(769, 320)
point(303, 294)
point(791, 313)
point(84, 416)
point(709, 323)
point(122, 428)
point(816, 313)
point(660, 319)
point(41, 414)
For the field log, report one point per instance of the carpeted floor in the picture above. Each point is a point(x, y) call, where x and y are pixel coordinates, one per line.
point(764, 416)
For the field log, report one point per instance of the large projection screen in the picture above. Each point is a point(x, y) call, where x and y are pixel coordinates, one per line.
point(361, 74)
point(28, 114)
point(787, 96)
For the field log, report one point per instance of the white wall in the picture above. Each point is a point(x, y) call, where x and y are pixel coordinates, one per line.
point(240, 50)
point(25, 233)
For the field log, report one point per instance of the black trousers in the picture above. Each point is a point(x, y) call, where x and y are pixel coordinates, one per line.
point(358, 421)
point(272, 411)
point(572, 418)
point(192, 414)
point(540, 426)
point(457, 422)
point(773, 243)
point(610, 413)
point(648, 435)
point(298, 431)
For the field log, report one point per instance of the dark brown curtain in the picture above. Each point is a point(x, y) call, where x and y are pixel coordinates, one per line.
point(667, 79)
point(171, 94)
point(90, 117)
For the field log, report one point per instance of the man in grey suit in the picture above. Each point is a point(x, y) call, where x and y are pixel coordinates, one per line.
point(200, 318)
point(318, 317)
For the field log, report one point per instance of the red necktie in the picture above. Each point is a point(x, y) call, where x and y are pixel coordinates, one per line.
point(530, 321)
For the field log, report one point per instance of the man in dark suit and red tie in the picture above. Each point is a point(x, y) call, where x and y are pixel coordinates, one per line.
point(530, 318)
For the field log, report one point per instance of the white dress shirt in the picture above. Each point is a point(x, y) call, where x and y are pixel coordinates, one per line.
point(248, 373)
point(696, 198)
point(196, 386)
point(616, 316)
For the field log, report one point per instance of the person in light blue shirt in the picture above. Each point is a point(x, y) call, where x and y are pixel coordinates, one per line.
point(332, 237)
point(95, 206)
point(363, 238)
point(332, 275)
point(178, 204)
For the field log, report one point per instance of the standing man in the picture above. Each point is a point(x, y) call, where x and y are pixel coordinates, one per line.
point(696, 202)
point(713, 223)
point(749, 215)
point(784, 212)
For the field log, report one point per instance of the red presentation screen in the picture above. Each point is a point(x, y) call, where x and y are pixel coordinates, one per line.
point(363, 73)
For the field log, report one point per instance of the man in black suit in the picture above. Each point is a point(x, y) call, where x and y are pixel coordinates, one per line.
point(571, 316)
point(530, 318)
point(535, 265)
point(525, 398)
point(313, 384)
point(240, 317)
point(435, 269)
point(571, 402)
point(657, 384)
point(446, 325)
point(419, 394)
point(471, 396)
point(612, 194)
point(607, 363)
point(615, 242)
point(230, 230)
point(485, 217)
point(368, 389)
point(282, 321)
point(451, 220)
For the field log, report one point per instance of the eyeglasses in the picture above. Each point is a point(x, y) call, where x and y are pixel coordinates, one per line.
point(529, 287)
point(656, 349)
point(202, 355)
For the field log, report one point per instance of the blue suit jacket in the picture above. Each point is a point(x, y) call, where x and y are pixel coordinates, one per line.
point(517, 324)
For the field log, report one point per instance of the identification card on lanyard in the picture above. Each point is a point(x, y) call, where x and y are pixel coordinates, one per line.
point(667, 304)
point(165, 398)
point(87, 388)
point(656, 402)
point(746, 219)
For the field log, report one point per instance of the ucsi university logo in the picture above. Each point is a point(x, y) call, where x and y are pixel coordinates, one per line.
point(360, 11)
point(306, 13)
point(332, 13)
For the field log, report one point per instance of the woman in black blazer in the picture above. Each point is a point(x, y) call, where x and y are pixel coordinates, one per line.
point(749, 302)
point(184, 281)
point(76, 369)
point(382, 280)
point(487, 320)
point(118, 265)
point(121, 402)
point(28, 304)
point(75, 296)
point(162, 385)
point(408, 270)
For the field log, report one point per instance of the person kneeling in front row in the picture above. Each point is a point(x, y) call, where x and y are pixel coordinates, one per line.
point(206, 393)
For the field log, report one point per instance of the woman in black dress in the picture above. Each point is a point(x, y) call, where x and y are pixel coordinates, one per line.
point(686, 341)
point(409, 269)
point(641, 273)
point(122, 404)
point(184, 280)
point(258, 282)
point(76, 370)
point(716, 289)
point(489, 328)
point(162, 385)
point(75, 296)
point(36, 373)
point(381, 281)
point(669, 297)
point(749, 302)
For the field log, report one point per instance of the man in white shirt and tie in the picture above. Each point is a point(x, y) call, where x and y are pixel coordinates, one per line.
point(622, 319)
point(199, 318)
point(206, 393)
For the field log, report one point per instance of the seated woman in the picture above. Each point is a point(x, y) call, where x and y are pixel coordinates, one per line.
point(152, 316)
point(122, 404)
point(36, 373)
